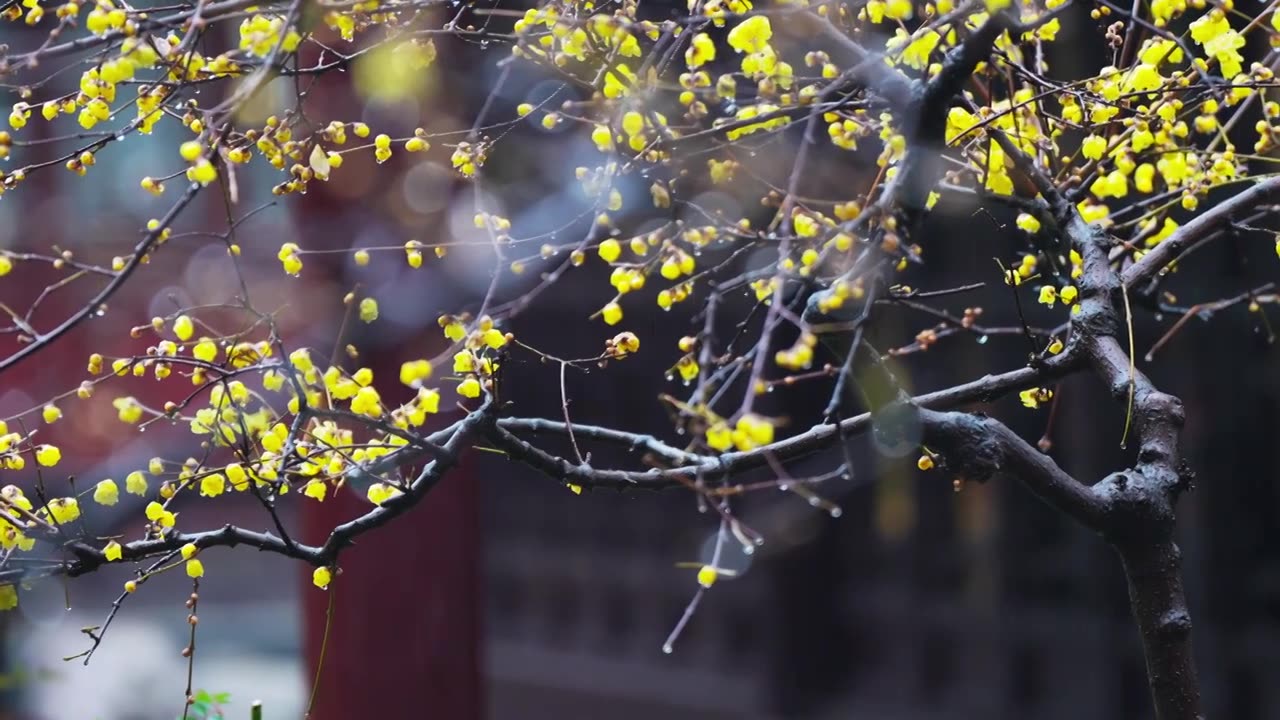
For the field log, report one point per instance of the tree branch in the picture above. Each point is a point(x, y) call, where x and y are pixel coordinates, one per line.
point(1157, 416)
point(633, 441)
point(343, 535)
point(978, 447)
point(1159, 257)
point(88, 558)
point(140, 250)
point(883, 80)
point(707, 467)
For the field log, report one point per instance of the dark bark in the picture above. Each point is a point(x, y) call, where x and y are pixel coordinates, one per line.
point(979, 447)
point(1160, 610)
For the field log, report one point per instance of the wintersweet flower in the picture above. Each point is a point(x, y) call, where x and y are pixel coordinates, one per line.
point(751, 35)
point(106, 492)
point(48, 455)
point(321, 577)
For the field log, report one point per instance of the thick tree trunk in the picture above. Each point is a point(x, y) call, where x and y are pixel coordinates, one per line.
point(1160, 609)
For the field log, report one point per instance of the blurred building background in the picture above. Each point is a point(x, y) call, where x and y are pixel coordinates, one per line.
point(916, 603)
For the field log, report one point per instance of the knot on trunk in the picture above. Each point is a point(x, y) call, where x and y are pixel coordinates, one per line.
point(1139, 507)
point(968, 443)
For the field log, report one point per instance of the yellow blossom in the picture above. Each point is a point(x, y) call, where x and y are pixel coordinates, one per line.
point(205, 350)
point(707, 576)
point(414, 372)
point(1113, 184)
point(917, 51)
point(128, 409)
point(1049, 31)
point(610, 250)
point(469, 387)
point(64, 510)
point(1028, 223)
point(301, 360)
point(288, 256)
point(1034, 397)
point(321, 577)
point(688, 368)
point(625, 343)
point(213, 485)
point(752, 431)
point(719, 437)
point(237, 476)
point(367, 402)
point(106, 492)
point(48, 455)
point(898, 9)
point(1093, 147)
point(1213, 32)
point(805, 225)
point(602, 136)
point(1143, 78)
point(183, 327)
point(611, 313)
point(702, 50)
point(494, 338)
point(379, 493)
point(428, 400)
point(751, 35)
